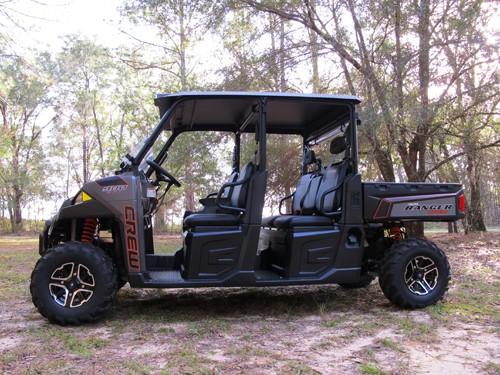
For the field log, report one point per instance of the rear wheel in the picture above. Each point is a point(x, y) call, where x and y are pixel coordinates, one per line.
point(414, 273)
point(74, 283)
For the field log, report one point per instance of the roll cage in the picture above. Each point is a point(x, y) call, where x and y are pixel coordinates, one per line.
point(317, 118)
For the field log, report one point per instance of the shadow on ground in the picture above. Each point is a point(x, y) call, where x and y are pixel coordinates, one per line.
point(270, 302)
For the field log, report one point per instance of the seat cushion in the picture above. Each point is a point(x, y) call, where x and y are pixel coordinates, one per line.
point(211, 220)
point(287, 221)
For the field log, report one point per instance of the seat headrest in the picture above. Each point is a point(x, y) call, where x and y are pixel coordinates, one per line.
point(309, 157)
point(338, 145)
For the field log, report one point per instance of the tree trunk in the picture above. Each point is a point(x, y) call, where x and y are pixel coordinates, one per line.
point(17, 217)
point(343, 62)
point(313, 42)
point(182, 47)
point(415, 229)
point(85, 152)
point(414, 159)
point(282, 74)
point(474, 215)
point(99, 138)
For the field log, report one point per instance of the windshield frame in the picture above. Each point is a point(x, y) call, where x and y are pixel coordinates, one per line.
point(148, 143)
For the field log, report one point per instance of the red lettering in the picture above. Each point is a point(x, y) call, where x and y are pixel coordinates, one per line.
point(134, 263)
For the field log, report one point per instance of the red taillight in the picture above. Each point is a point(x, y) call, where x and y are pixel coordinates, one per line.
point(461, 203)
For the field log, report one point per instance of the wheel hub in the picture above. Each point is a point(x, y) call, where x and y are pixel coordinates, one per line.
point(71, 285)
point(421, 275)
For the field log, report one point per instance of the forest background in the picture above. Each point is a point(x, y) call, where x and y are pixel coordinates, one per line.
point(427, 72)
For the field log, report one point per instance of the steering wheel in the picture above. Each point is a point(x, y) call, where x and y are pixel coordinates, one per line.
point(161, 172)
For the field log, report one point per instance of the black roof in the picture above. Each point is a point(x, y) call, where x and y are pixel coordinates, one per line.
point(287, 113)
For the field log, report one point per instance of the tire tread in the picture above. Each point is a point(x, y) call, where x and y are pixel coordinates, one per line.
point(388, 282)
point(111, 284)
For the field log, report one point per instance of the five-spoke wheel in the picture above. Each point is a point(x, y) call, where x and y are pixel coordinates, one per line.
point(74, 283)
point(71, 285)
point(414, 273)
point(421, 275)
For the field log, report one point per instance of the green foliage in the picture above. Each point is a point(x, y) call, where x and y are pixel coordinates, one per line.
point(24, 95)
point(370, 368)
point(74, 114)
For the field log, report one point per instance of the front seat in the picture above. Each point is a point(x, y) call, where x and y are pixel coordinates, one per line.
point(209, 204)
point(233, 210)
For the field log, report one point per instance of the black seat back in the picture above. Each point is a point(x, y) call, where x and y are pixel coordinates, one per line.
point(309, 201)
point(303, 198)
point(228, 191)
point(328, 197)
point(239, 194)
point(300, 192)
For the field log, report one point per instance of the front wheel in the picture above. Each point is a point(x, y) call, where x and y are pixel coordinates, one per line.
point(414, 273)
point(74, 283)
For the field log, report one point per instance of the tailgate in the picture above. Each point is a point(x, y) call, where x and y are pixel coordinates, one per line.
point(389, 201)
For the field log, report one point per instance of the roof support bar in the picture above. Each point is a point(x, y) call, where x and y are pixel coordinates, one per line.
point(262, 132)
point(247, 119)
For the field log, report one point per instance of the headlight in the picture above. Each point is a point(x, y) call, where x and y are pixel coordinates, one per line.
point(82, 197)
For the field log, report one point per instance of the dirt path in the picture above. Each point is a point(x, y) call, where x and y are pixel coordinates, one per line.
point(298, 330)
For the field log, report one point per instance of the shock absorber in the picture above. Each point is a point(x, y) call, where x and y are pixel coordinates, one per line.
point(88, 230)
point(396, 233)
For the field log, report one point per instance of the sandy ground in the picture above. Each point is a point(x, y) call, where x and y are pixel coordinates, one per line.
point(297, 330)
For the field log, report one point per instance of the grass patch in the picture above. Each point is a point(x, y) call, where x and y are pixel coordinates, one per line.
point(15, 240)
point(332, 323)
point(390, 344)
point(370, 368)
point(207, 327)
point(418, 330)
point(8, 358)
point(167, 246)
point(368, 327)
point(186, 361)
point(298, 368)
point(246, 351)
point(474, 300)
point(135, 367)
point(492, 368)
point(82, 346)
point(15, 269)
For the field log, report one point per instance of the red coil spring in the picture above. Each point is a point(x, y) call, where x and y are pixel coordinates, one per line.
point(88, 230)
point(396, 233)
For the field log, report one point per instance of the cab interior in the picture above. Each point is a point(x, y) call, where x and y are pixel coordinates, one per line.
point(228, 241)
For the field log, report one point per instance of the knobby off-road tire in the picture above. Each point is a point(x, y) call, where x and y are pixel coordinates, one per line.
point(365, 281)
point(414, 273)
point(74, 283)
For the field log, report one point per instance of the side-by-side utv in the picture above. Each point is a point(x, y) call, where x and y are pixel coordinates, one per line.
point(339, 230)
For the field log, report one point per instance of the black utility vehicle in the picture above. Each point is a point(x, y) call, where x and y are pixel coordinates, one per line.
point(340, 230)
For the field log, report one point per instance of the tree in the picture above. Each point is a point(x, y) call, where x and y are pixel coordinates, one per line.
point(393, 54)
point(24, 95)
point(83, 80)
point(470, 113)
point(180, 25)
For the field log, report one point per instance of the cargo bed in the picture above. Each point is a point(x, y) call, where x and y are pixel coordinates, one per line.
point(390, 201)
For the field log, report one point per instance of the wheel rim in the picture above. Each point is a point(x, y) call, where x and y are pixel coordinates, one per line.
point(71, 285)
point(421, 275)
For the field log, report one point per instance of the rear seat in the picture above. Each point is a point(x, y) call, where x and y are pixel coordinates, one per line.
point(322, 198)
point(301, 198)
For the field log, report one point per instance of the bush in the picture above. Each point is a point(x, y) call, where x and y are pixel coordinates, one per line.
point(29, 225)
